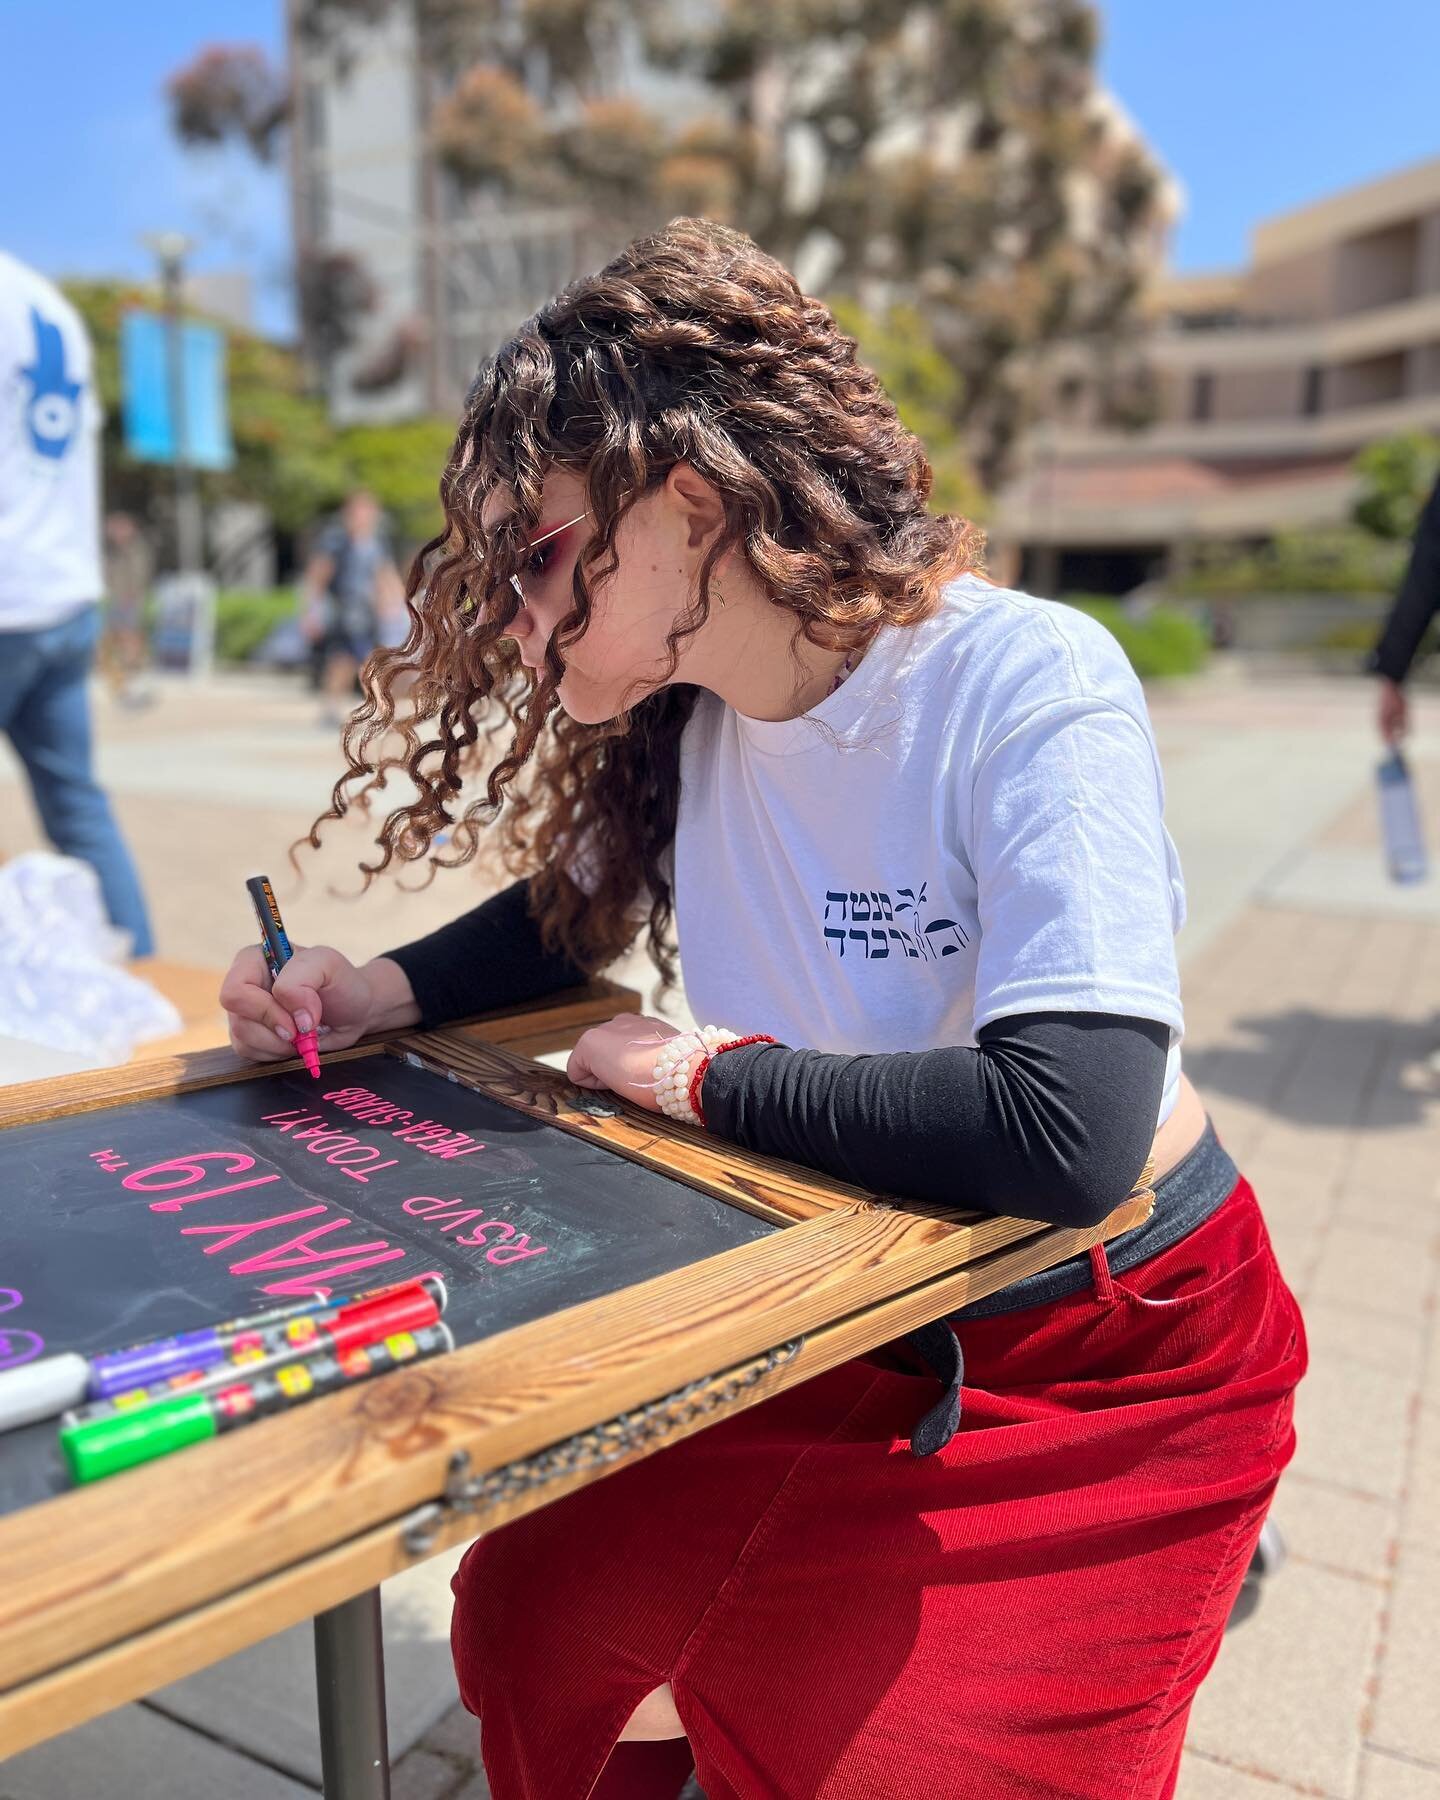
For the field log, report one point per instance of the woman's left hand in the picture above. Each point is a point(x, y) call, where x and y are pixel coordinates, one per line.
point(620, 1055)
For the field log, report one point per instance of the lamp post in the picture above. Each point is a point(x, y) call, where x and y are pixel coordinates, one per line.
point(171, 249)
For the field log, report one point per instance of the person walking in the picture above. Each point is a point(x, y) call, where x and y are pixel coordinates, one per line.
point(1416, 604)
point(129, 570)
point(51, 582)
point(353, 592)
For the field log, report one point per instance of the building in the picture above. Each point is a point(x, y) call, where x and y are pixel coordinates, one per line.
point(1260, 386)
point(450, 273)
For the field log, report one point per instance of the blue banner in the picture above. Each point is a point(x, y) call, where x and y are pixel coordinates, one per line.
point(145, 391)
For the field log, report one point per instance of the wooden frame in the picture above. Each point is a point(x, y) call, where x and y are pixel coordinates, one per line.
point(320, 1504)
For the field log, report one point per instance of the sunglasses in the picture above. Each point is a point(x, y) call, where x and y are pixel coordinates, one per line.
point(536, 542)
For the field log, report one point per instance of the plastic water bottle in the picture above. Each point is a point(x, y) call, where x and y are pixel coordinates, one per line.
point(1400, 820)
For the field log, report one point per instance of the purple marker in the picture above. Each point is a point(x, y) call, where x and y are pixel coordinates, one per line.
point(142, 1365)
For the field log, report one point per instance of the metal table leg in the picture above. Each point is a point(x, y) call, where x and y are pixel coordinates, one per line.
point(350, 1680)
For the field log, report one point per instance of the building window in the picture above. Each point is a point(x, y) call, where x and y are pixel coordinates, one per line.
point(312, 107)
point(1202, 397)
point(317, 210)
point(1069, 392)
point(1312, 394)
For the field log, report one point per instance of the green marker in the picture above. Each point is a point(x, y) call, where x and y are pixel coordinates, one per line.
point(113, 1444)
point(94, 1448)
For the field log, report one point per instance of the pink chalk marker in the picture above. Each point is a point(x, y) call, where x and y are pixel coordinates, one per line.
point(275, 944)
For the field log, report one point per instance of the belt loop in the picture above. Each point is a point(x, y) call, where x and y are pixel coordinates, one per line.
point(1100, 1274)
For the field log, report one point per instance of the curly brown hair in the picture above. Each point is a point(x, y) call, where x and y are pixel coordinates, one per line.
point(691, 345)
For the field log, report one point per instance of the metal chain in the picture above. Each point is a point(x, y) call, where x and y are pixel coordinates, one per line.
point(641, 1428)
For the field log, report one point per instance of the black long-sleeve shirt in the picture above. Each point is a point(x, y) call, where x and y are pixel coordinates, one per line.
point(1418, 600)
point(1049, 1116)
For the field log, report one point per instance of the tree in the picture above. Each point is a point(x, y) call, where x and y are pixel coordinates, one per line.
point(964, 160)
point(232, 93)
point(925, 389)
point(288, 456)
point(228, 92)
point(401, 465)
point(1396, 476)
point(333, 291)
point(955, 157)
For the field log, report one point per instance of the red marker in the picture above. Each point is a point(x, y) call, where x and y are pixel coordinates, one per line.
point(184, 1353)
point(275, 943)
point(248, 1354)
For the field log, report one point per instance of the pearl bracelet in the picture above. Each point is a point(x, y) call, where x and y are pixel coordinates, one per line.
point(672, 1069)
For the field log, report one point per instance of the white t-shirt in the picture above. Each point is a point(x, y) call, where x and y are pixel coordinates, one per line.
point(969, 827)
point(49, 455)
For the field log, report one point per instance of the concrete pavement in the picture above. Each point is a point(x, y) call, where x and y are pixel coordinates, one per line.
point(1312, 1003)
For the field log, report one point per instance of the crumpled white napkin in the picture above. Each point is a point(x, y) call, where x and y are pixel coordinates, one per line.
point(59, 983)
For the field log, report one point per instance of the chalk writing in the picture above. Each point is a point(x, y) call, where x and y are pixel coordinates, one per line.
point(18, 1344)
point(361, 1161)
point(185, 1181)
point(511, 1245)
point(188, 1169)
point(358, 1161)
point(428, 1135)
point(298, 1251)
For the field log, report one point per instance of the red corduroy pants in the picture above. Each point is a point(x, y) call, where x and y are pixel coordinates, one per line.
point(1026, 1613)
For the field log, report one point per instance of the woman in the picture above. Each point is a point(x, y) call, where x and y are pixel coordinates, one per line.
point(909, 828)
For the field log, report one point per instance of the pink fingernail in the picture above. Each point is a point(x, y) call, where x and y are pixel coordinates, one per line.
point(285, 1036)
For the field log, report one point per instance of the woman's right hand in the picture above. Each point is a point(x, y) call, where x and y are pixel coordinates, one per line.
point(317, 986)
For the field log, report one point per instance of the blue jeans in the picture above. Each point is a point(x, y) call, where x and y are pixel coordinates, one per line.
point(45, 712)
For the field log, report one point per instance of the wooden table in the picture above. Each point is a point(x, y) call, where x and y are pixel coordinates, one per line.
point(110, 1591)
point(194, 991)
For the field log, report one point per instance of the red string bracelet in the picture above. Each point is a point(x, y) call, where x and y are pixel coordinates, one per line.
point(756, 1037)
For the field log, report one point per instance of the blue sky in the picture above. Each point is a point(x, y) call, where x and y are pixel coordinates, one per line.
point(87, 152)
point(1257, 106)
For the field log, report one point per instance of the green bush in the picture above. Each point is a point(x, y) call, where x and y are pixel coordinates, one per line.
point(245, 617)
point(1357, 635)
point(1395, 477)
point(1343, 561)
point(400, 463)
point(1159, 642)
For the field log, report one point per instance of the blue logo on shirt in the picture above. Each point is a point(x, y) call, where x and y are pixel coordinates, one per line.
point(53, 412)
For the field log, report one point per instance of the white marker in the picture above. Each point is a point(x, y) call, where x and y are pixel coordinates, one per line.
point(38, 1390)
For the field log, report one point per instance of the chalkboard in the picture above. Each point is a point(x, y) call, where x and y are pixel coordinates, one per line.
point(174, 1213)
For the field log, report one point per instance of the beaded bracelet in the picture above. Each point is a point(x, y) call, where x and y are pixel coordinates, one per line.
point(739, 1043)
point(672, 1066)
point(677, 1089)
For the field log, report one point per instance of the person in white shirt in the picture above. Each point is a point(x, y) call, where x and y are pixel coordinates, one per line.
point(731, 671)
point(51, 580)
